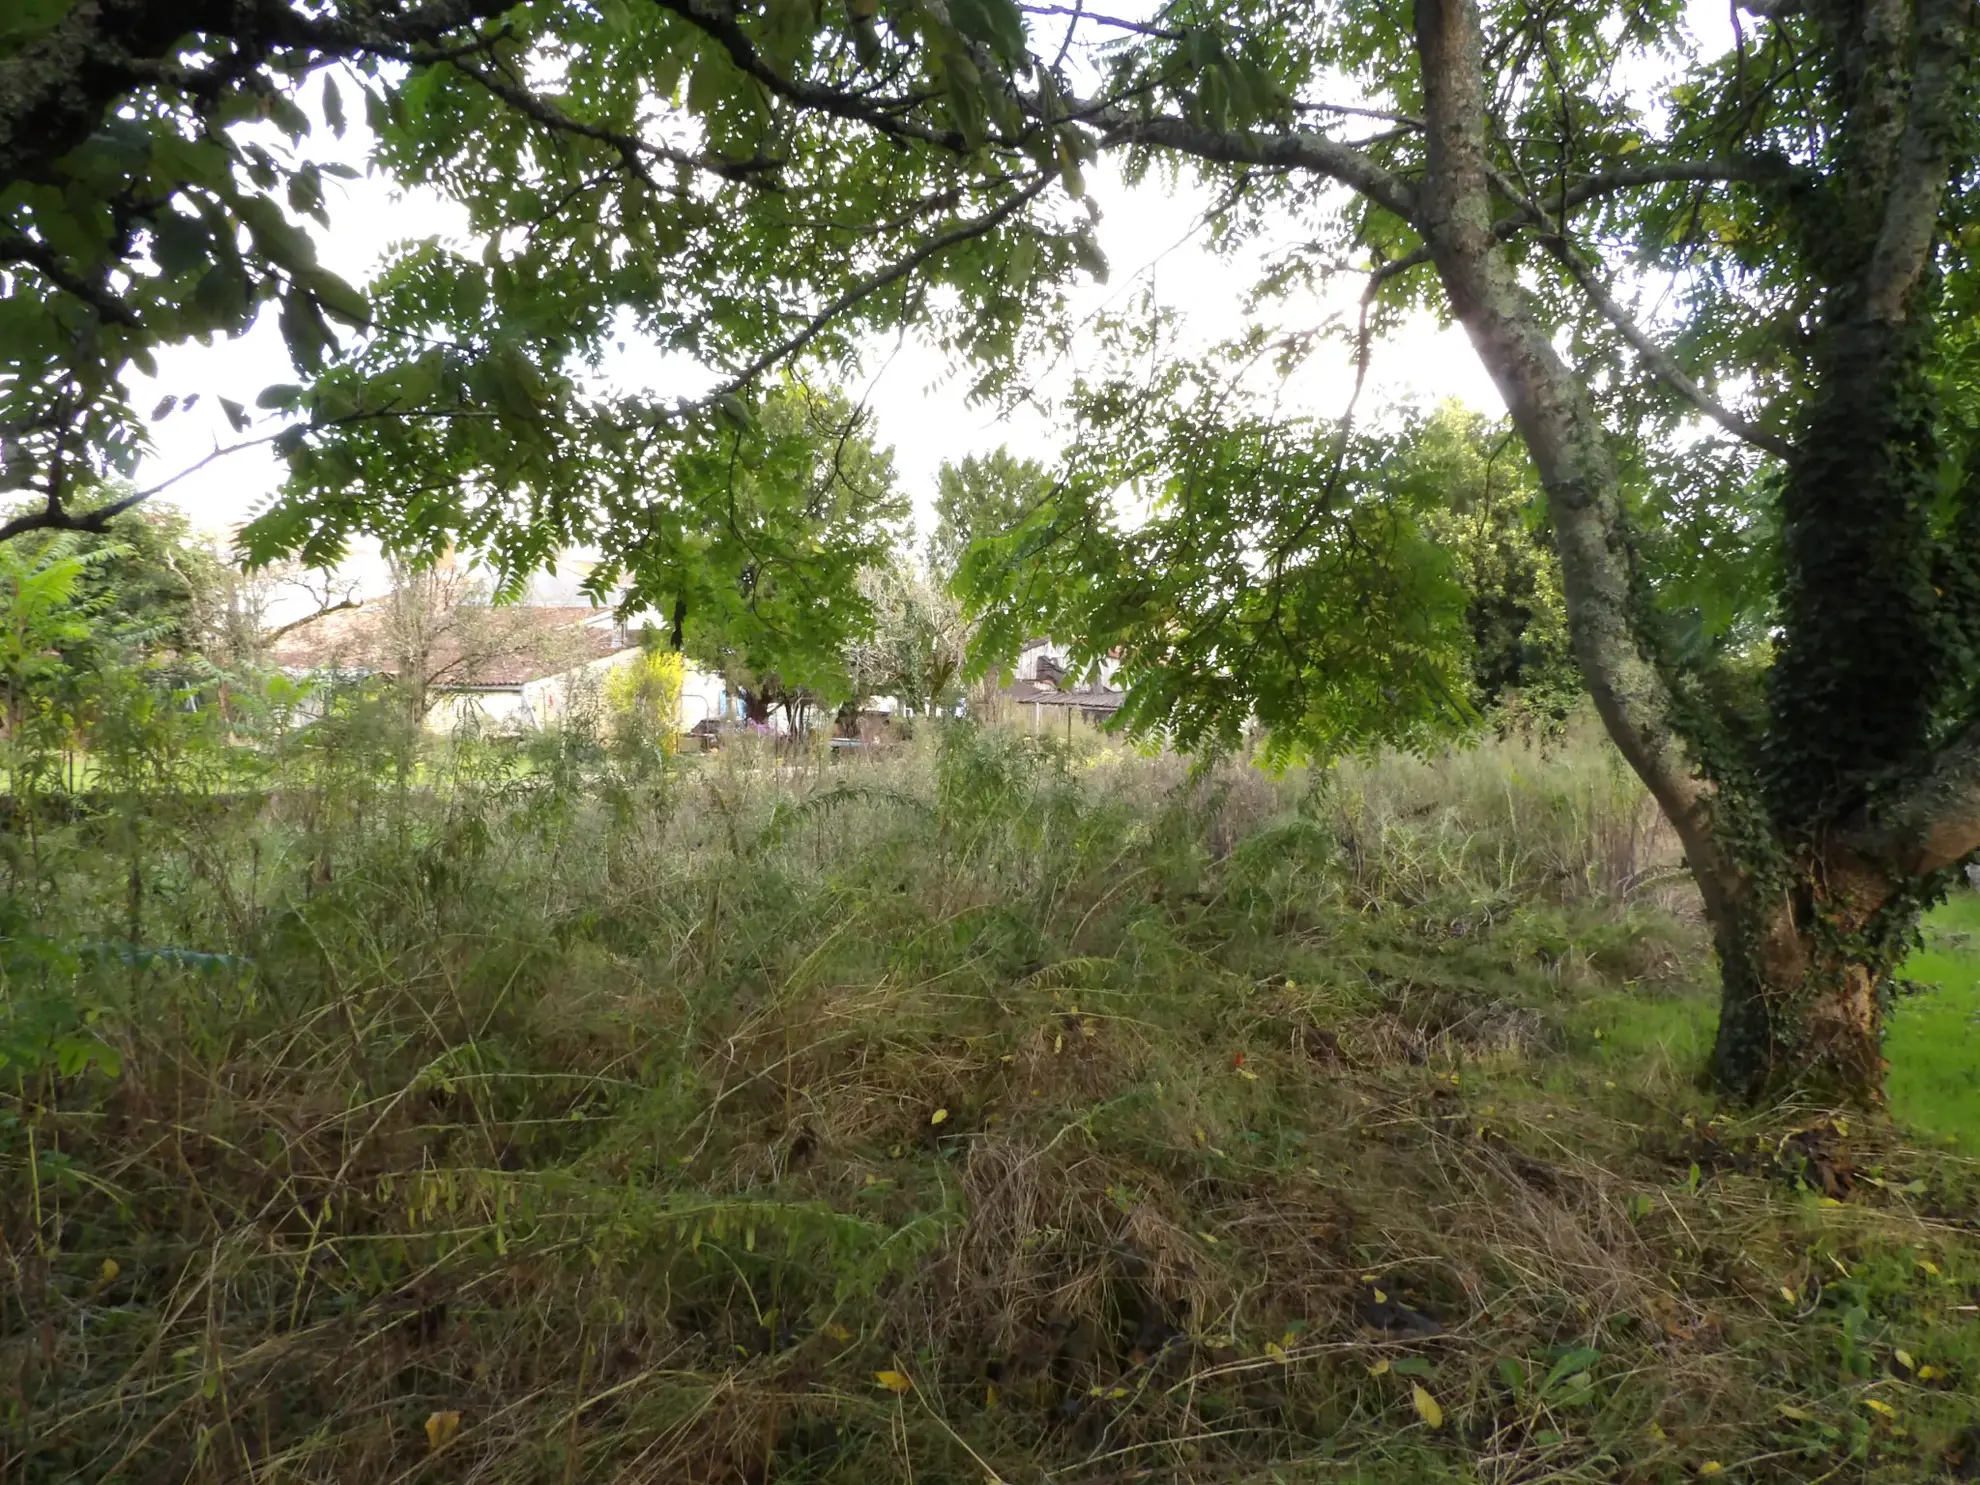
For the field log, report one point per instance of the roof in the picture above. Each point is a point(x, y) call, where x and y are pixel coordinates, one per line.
point(471, 647)
point(1093, 698)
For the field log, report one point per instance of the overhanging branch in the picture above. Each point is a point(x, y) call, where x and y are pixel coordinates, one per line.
point(1658, 360)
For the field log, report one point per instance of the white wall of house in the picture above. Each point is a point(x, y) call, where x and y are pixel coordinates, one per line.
point(546, 702)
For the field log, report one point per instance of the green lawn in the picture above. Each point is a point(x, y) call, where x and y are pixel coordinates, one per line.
point(1934, 1040)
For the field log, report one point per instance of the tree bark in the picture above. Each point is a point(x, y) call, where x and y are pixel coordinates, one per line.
point(1804, 968)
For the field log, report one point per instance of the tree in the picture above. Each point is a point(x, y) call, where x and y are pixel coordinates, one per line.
point(1482, 506)
point(983, 497)
point(748, 185)
point(919, 647)
point(777, 632)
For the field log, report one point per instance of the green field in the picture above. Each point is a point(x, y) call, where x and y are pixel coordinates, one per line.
point(1934, 1041)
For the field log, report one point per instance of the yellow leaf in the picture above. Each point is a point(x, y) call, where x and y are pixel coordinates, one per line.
point(1787, 1410)
point(106, 1274)
point(1787, 1294)
point(837, 1332)
point(1877, 1404)
point(894, 1382)
point(1426, 1407)
point(1208, 1237)
point(1247, 1074)
point(990, 1396)
point(1711, 1467)
point(1276, 1351)
point(1929, 1266)
point(441, 1428)
point(1089, 1028)
point(1058, 1045)
point(1118, 1393)
point(1201, 1137)
point(1904, 1360)
point(1381, 1298)
point(1380, 1368)
point(1929, 1373)
point(938, 1116)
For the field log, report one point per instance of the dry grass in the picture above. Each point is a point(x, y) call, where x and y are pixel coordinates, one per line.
point(554, 1125)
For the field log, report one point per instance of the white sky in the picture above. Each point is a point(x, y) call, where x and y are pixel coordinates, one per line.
point(919, 409)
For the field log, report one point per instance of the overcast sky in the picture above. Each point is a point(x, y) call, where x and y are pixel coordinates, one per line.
point(1146, 233)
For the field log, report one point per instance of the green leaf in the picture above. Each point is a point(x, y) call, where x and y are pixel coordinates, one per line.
point(338, 297)
point(275, 235)
point(179, 242)
point(333, 106)
point(997, 24)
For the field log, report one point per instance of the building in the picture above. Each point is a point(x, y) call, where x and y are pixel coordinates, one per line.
point(1045, 693)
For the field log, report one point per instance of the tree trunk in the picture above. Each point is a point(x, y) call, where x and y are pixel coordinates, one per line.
point(1806, 963)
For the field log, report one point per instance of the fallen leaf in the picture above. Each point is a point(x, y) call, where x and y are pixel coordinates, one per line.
point(1929, 1373)
point(1878, 1405)
point(990, 1396)
point(837, 1332)
point(1903, 1358)
point(1929, 1266)
point(938, 1116)
point(108, 1273)
point(1799, 1415)
point(894, 1382)
point(441, 1428)
point(1247, 1074)
point(1787, 1294)
point(1380, 1368)
point(1426, 1407)
point(1381, 1298)
point(1711, 1467)
point(1277, 1352)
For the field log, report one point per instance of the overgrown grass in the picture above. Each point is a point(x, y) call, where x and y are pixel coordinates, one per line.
point(994, 1112)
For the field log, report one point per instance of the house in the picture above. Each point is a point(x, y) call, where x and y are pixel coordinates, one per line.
point(1043, 689)
point(505, 668)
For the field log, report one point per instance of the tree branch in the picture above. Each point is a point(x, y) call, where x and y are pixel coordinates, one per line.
point(17, 249)
point(1295, 150)
point(307, 619)
point(719, 24)
point(1563, 432)
point(1911, 209)
point(1751, 169)
point(1657, 359)
point(1936, 822)
point(867, 287)
point(54, 516)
